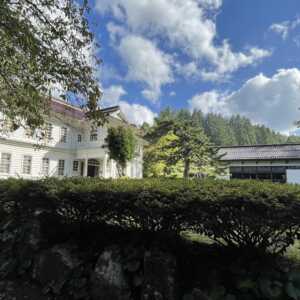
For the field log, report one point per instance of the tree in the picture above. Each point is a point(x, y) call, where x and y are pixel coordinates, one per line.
point(193, 148)
point(293, 139)
point(45, 44)
point(156, 155)
point(121, 144)
point(219, 130)
point(198, 118)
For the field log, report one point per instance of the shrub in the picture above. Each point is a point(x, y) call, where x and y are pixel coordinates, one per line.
point(243, 214)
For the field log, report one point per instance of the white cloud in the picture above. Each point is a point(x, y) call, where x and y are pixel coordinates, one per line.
point(211, 4)
point(208, 102)
point(188, 70)
point(146, 64)
point(112, 95)
point(185, 26)
point(284, 28)
point(273, 101)
point(115, 31)
point(135, 113)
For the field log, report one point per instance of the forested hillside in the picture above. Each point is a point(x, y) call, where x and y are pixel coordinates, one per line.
point(236, 130)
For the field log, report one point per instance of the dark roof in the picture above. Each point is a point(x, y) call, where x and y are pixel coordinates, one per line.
point(70, 110)
point(260, 152)
point(110, 109)
point(62, 107)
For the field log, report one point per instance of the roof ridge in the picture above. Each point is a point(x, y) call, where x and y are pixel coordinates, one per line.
point(261, 145)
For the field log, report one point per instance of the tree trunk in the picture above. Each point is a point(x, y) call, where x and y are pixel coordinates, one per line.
point(120, 170)
point(186, 168)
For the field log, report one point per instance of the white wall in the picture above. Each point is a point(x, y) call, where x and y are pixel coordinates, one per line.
point(18, 151)
point(19, 144)
point(293, 176)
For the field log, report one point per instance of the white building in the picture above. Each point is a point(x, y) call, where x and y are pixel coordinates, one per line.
point(70, 147)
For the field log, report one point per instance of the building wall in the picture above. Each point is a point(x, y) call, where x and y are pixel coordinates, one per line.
point(279, 170)
point(293, 176)
point(18, 144)
point(17, 152)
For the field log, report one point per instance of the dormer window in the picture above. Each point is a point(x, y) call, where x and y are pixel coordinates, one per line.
point(29, 132)
point(48, 131)
point(93, 135)
point(63, 134)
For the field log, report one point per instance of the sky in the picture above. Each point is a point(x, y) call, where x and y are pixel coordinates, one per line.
point(222, 56)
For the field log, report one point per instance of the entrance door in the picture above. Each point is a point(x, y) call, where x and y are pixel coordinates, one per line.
point(93, 168)
point(93, 171)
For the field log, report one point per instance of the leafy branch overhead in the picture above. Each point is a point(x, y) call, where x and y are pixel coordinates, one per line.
point(46, 45)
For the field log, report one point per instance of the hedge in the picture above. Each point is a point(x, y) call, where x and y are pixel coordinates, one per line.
point(244, 214)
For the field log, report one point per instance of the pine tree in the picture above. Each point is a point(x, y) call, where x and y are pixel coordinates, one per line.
point(191, 147)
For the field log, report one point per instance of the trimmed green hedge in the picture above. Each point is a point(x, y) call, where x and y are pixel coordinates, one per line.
point(244, 214)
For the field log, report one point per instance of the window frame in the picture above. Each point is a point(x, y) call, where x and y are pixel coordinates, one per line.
point(63, 135)
point(43, 166)
point(61, 168)
point(29, 133)
point(75, 162)
point(49, 131)
point(93, 135)
point(9, 162)
point(29, 166)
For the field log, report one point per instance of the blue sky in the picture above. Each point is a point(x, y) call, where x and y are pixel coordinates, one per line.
point(223, 56)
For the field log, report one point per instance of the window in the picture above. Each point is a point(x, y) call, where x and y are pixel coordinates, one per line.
point(61, 167)
point(93, 135)
point(75, 165)
point(6, 125)
point(45, 166)
point(48, 132)
point(63, 135)
point(5, 162)
point(29, 133)
point(79, 138)
point(138, 150)
point(27, 164)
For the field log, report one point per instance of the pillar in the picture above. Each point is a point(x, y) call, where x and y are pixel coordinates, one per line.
point(85, 167)
point(105, 160)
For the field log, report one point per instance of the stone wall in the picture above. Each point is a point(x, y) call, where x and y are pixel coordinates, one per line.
point(33, 267)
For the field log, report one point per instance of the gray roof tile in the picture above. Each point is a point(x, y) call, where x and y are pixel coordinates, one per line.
point(261, 152)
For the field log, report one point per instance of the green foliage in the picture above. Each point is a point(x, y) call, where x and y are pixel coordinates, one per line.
point(246, 215)
point(155, 158)
point(121, 145)
point(178, 147)
point(196, 133)
point(45, 44)
point(293, 139)
point(220, 130)
point(192, 147)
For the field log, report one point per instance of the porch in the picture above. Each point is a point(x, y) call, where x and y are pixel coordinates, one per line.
point(90, 167)
point(95, 167)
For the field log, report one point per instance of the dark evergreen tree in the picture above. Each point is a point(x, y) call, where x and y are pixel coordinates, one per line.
point(198, 118)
